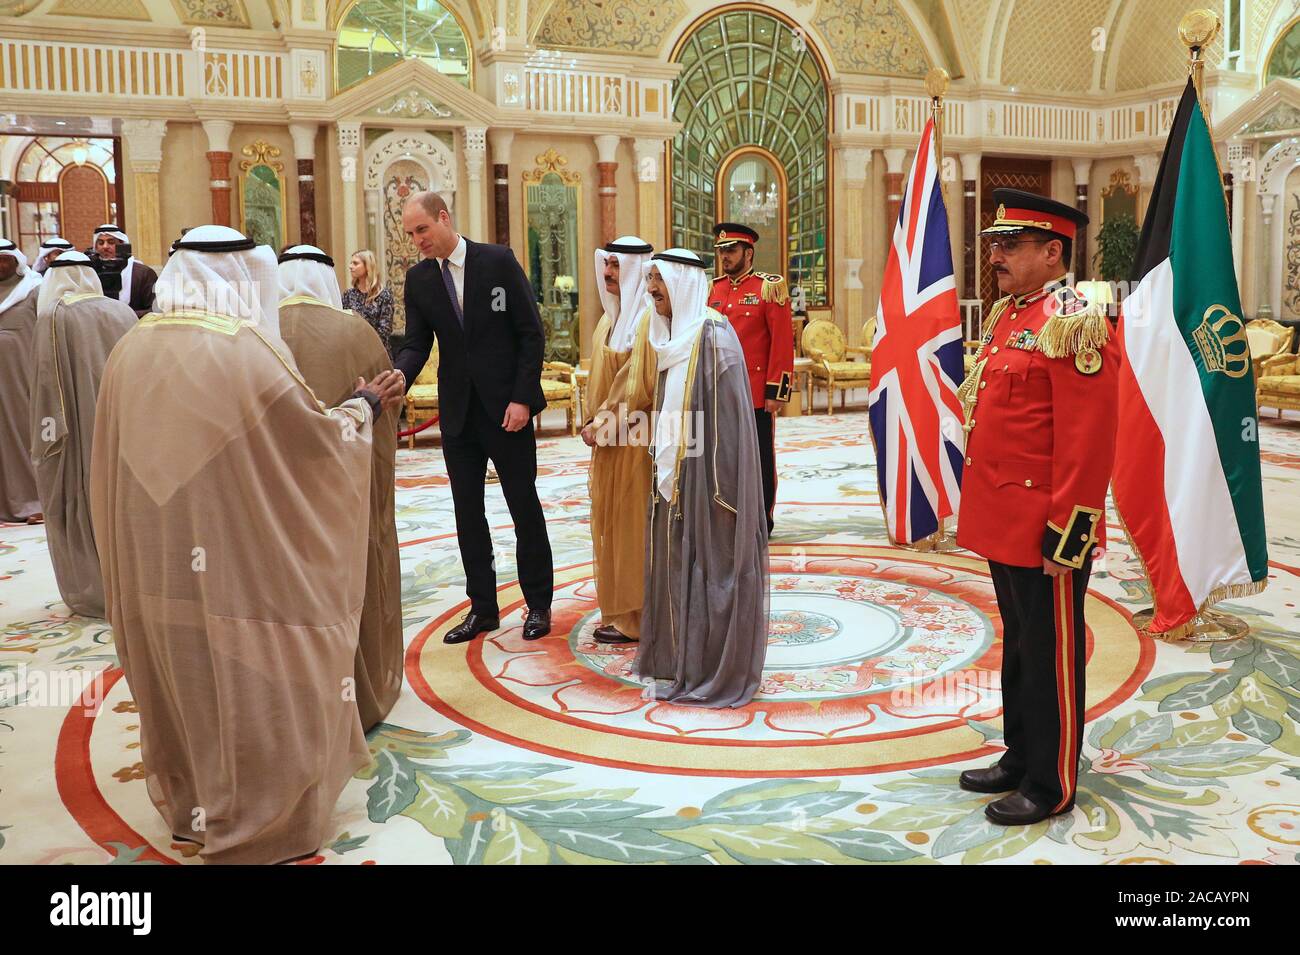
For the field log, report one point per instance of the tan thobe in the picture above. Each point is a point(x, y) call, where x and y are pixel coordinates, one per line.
point(73, 341)
point(332, 349)
point(621, 384)
point(19, 499)
point(230, 511)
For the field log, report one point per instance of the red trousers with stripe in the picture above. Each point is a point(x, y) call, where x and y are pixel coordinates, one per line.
point(1043, 659)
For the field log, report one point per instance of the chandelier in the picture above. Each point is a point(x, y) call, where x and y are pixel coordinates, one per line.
point(752, 205)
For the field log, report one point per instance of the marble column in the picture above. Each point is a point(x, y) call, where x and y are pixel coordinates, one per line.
point(650, 191)
point(218, 132)
point(304, 151)
point(607, 189)
point(349, 149)
point(1271, 261)
point(501, 141)
point(474, 146)
point(1147, 167)
point(1237, 159)
point(144, 139)
point(1082, 172)
point(970, 223)
point(855, 161)
point(893, 189)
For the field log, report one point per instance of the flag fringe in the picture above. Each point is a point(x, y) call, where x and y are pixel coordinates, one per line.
point(1222, 592)
point(1066, 335)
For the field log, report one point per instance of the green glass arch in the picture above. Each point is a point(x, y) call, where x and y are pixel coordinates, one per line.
point(1284, 60)
point(749, 79)
point(377, 34)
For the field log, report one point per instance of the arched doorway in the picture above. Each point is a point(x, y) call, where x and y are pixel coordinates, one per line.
point(751, 189)
point(398, 165)
point(754, 108)
point(64, 186)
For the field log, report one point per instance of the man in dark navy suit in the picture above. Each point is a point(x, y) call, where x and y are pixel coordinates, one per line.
point(477, 301)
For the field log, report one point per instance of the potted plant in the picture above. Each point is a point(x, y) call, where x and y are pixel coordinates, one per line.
point(1117, 242)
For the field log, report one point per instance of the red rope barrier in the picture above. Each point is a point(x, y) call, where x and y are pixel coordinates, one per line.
point(418, 428)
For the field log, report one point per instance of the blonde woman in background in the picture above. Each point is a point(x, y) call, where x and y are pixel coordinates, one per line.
point(368, 296)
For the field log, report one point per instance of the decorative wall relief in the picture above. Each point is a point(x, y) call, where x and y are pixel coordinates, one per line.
point(308, 71)
point(871, 36)
point(262, 198)
point(552, 211)
point(414, 104)
point(1291, 282)
point(99, 9)
point(1119, 198)
point(401, 179)
point(638, 26)
point(224, 13)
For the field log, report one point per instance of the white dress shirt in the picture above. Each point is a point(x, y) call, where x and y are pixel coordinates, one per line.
point(457, 260)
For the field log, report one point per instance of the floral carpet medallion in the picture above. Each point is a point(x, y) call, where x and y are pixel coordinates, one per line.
point(880, 686)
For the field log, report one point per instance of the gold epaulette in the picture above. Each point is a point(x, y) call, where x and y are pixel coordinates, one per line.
point(773, 288)
point(996, 311)
point(1080, 322)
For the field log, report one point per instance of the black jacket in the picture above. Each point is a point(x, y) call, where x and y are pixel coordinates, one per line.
point(500, 349)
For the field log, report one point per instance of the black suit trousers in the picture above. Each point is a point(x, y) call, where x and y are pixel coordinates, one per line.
point(514, 455)
point(1043, 658)
point(763, 422)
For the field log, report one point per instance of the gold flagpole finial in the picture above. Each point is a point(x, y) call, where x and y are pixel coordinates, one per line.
point(936, 86)
point(936, 83)
point(1197, 30)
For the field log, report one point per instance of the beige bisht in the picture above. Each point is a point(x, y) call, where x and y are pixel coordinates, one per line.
point(19, 499)
point(332, 348)
point(230, 510)
point(76, 328)
point(620, 395)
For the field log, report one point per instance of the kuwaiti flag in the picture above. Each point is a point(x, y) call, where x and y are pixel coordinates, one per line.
point(916, 363)
point(1187, 479)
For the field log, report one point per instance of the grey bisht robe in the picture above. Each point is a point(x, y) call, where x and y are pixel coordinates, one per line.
point(18, 497)
point(704, 631)
point(68, 358)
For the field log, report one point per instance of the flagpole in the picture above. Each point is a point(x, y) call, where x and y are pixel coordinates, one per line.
point(936, 85)
point(1197, 30)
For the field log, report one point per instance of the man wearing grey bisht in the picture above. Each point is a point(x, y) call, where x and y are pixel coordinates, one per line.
point(704, 629)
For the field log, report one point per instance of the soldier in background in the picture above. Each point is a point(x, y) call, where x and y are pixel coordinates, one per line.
point(757, 305)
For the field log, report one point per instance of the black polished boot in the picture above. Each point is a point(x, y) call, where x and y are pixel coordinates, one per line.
point(994, 779)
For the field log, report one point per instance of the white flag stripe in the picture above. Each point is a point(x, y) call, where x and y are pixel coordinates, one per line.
point(1196, 489)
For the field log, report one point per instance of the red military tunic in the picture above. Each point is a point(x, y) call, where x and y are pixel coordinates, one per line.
point(1040, 418)
point(758, 308)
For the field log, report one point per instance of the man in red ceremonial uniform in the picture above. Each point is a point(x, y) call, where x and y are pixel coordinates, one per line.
point(757, 304)
point(1040, 440)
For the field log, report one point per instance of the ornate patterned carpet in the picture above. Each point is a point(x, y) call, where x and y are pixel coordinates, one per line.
point(881, 686)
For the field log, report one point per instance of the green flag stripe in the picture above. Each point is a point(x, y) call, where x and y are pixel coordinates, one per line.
point(1201, 256)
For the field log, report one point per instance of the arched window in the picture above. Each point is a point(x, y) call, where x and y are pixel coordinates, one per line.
point(64, 187)
point(753, 107)
point(377, 34)
point(1284, 58)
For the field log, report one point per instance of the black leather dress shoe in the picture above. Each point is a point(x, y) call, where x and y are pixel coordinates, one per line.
point(471, 627)
point(537, 624)
point(611, 636)
point(1018, 809)
point(994, 779)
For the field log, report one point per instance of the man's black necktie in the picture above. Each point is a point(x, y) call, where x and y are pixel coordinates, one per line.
point(450, 282)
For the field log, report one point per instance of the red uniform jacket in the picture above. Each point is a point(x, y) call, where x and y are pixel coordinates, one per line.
point(758, 308)
point(1040, 409)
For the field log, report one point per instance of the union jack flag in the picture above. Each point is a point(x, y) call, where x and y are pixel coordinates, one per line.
point(916, 363)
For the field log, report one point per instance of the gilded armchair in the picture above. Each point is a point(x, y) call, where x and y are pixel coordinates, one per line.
point(823, 342)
